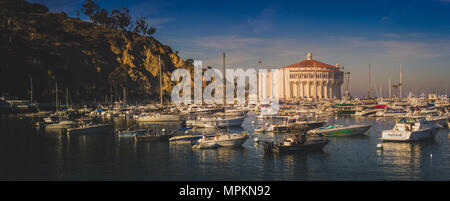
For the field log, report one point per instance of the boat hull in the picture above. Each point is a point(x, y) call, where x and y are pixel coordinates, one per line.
point(159, 118)
point(89, 130)
point(234, 140)
point(405, 136)
point(229, 122)
point(152, 137)
point(344, 131)
point(313, 145)
point(186, 139)
point(131, 133)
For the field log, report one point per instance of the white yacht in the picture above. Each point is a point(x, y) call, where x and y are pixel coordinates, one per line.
point(410, 129)
point(221, 140)
point(224, 122)
point(157, 117)
point(391, 112)
point(63, 123)
point(90, 129)
point(201, 122)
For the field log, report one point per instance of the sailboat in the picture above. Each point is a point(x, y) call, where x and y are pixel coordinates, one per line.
point(159, 116)
point(225, 121)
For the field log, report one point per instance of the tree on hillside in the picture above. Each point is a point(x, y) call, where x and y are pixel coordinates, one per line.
point(89, 8)
point(102, 18)
point(120, 19)
point(141, 27)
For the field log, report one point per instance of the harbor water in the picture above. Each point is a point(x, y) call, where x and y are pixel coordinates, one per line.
point(29, 154)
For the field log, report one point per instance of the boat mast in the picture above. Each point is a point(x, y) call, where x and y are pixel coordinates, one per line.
point(160, 81)
point(389, 88)
point(56, 94)
point(315, 83)
point(368, 92)
point(400, 85)
point(67, 98)
point(224, 82)
point(31, 98)
point(381, 95)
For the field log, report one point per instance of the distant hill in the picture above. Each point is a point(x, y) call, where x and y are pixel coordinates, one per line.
point(90, 60)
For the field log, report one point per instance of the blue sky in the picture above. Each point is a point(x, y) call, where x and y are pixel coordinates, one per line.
point(385, 33)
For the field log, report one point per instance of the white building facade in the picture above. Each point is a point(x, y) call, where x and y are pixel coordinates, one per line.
point(308, 79)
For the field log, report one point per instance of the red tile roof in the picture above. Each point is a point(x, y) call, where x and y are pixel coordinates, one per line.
point(310, 63)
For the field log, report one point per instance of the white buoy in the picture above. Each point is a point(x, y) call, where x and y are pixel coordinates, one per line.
point(256, 140)
point(253, 122)
point(163, 130)
point(186, 132)
point(431, 155)
point(380, 146)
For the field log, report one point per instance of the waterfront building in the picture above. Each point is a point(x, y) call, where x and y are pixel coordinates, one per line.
point(308, 79)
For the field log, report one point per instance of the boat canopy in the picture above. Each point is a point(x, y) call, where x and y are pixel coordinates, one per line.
point(412, 120)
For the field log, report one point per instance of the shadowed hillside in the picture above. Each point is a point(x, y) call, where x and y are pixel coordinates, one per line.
point(91, 60)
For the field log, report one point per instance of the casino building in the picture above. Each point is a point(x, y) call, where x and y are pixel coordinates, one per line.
point(308, 79)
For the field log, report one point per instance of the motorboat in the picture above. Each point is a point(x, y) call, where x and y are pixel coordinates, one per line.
point(187, 139)
point(390, 112)
point(132, 133)
point(221, 140)
point(224, 122)
point(366, 112)
point(295, 144)
point(201, 122)
point(345, 109)
point(158, 117)
point(295, 124)
point(89, 129)
point(153, 137)
point(410, 129)
point(340, 130)
point(63, 124)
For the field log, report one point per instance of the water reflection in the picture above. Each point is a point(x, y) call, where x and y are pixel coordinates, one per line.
point(30, 154)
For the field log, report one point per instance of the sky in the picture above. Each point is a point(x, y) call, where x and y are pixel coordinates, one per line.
point(384, 33)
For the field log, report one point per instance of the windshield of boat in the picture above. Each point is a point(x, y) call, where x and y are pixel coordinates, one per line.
point(408, 120)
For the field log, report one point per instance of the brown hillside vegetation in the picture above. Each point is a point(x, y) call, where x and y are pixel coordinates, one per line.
point(90, 60)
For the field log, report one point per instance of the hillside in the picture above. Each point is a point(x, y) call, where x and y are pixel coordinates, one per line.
point(92, 61)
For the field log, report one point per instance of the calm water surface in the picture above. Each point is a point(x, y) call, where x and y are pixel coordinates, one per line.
point(28, 154)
